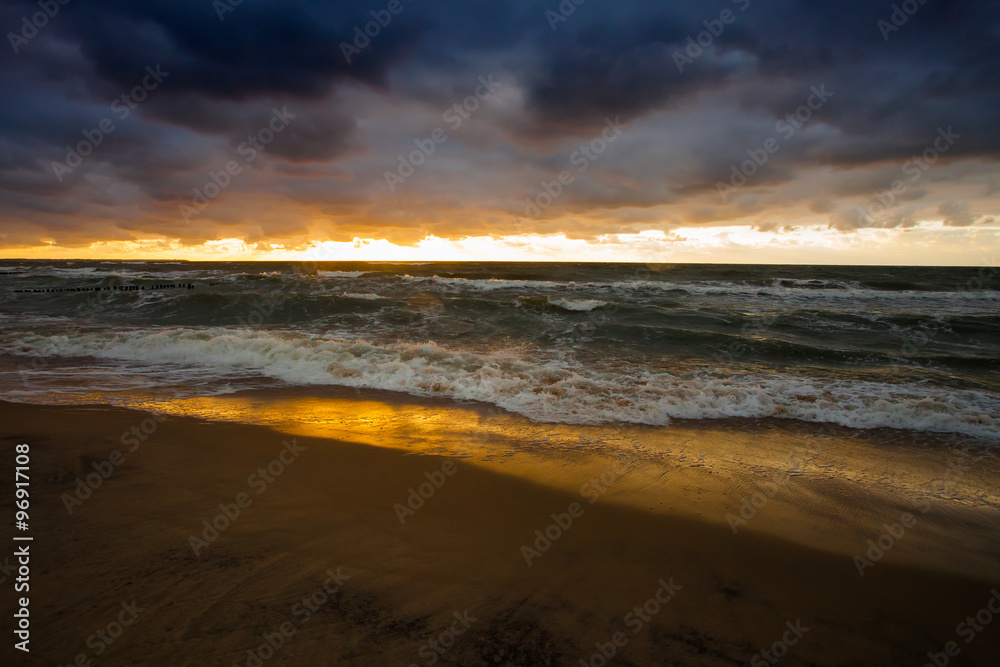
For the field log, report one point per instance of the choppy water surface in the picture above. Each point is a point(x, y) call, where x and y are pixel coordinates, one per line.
point(910, 348)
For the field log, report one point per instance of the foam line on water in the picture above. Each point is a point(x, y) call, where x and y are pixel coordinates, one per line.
point(535, 383)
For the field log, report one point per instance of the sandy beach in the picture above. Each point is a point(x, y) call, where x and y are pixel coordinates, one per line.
point(352, 554)
point(509, 334)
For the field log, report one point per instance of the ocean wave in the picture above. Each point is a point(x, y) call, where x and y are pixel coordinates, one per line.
point(71, 275)
point(839, 293)
point(543, 386)
point(832, 292)
point(581, 305)
point(366, 297)
point(341, 274)
point(486, 284)
point(799, 289)
point(72, 272)
point(572, 305)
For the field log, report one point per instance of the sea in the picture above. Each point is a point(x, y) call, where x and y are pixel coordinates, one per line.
point(903, 348)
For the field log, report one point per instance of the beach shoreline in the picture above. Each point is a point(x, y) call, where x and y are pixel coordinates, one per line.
point(407, 576)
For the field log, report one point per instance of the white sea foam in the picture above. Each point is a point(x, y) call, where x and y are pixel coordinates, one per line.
point(580, 305)
point(796, 289)
point(539, 385)
point(65, 271)
point(843, 292)
point(341, 274)
point(486, 284)
point(366, 297)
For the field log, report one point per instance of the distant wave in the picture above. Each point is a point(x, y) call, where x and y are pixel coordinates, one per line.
point(572, 305)
point(366, 297)
point(842, 293)
point(484, 284)
point(341, 274)
point(811, 289)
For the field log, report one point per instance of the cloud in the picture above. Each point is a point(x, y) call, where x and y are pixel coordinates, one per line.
point(324, 175)
point(956, 214)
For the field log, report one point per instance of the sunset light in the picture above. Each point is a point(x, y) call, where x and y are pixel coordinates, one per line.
point(510, 333)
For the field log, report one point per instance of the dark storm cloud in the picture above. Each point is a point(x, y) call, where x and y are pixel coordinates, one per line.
point(259, 48)
point(894, 88)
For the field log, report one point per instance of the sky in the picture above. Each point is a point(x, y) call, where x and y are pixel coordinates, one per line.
point(747, 131)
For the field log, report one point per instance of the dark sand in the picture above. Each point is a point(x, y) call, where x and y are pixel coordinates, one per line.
point(332, 509)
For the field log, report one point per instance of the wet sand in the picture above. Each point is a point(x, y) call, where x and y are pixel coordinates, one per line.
point(451, 582)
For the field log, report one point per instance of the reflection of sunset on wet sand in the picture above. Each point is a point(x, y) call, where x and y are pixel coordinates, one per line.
point(512, 334)
point(462, 549)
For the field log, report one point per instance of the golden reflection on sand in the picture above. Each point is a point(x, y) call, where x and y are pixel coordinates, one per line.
point(828, 487)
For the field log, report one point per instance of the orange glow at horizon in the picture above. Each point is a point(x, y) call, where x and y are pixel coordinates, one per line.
point(921, 245)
